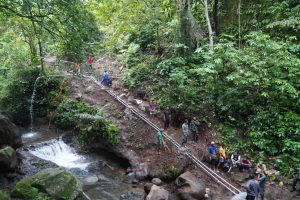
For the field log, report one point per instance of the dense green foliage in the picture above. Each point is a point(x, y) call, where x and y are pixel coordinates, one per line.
point(247, 85)
point(15, 96)
point(4, 196)
point(88, 120)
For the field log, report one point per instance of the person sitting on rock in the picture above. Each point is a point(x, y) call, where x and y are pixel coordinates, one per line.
point(236, 160)
point(227, 165)
point(246, 163)
point(260, 165)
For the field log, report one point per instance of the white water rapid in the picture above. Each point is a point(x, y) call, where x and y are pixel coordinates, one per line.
point(61, 154)
point(32, 102)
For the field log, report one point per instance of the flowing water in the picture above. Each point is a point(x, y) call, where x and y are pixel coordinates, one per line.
point(32, 102)
point(99, 181)
point(61, 154)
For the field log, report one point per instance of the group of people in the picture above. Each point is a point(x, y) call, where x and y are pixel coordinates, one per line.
point(218, 159)
point(187, 128)
point(90, 60)
point(256, 186)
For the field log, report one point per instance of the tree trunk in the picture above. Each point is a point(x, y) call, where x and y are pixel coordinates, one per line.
point(216, 17)
point(210, 32)
point(189, 32)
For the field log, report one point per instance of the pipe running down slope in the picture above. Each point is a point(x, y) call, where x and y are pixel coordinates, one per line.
point(220, 180)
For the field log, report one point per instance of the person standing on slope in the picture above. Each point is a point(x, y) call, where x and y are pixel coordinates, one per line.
point(252, 188)
point(185, 132)
point(105, 80)
point(167, 114)
point(195, 129)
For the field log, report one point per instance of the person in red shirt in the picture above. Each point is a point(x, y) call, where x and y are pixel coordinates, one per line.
point(90, 61)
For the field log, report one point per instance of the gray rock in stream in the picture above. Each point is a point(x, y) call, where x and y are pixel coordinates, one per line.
point(9, 133)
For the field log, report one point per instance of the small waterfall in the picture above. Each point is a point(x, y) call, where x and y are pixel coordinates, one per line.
point(32, 102)
point(61, 154)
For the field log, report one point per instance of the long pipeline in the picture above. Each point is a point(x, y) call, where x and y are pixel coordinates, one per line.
point(206, 169)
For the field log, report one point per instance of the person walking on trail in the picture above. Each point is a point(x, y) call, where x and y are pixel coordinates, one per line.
point(212, 151)
point(167, 114)
point(195, 129)
point(159, 138)
point(296, 179)
point(252, 188)
point(262, 184)
point(105, 79)
point(152, 109)
point(90, 61)
point(185, 132)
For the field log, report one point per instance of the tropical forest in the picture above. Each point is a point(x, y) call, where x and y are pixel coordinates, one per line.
point(149, 99)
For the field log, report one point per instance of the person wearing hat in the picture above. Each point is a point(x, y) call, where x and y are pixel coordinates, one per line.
point(212, 150)
point(260, 165)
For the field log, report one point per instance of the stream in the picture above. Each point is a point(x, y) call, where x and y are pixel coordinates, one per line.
point(102, 174)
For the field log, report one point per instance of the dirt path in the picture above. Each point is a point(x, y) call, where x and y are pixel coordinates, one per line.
point(139, 136)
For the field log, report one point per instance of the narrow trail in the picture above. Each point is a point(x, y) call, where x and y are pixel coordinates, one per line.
point(220, 180)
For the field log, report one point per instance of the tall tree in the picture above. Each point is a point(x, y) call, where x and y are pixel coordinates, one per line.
point(189, 32)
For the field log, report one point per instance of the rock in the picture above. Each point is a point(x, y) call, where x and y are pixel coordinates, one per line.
point(147, 187)
point(130, 99)
point(136, 194)
point(190, 187)
point(240, 196)
point(8, 159)
point(157, 193)
point(90, 89)
point(156, 181)
point(58, 184)
point(144, 106)
point(90, 180)
point(9, 133)
point(78, 96)
point(135, 181)
point(142, 171)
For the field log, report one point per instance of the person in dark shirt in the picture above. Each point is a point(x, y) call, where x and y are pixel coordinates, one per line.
point(167, 114)
point(212, 151)
point(253, 188)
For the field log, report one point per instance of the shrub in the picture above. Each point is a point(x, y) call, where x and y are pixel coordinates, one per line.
point(4, 196)
point(89, 121)
point(15, 97)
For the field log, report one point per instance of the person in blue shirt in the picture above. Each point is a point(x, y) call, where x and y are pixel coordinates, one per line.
point(212, 150)
point(105, 80)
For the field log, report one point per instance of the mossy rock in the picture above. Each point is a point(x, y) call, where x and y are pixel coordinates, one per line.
point(4, 196)
point(23, 189)
point(8, 159)
point(58, 184)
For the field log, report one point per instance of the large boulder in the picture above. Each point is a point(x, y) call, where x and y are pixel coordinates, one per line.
point(9, 133)
point(190, 187)
point(58, 184)
point(8, 159)
point(157, 193)
point(142, 171)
